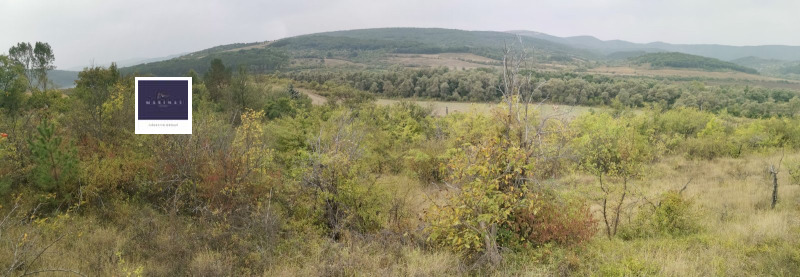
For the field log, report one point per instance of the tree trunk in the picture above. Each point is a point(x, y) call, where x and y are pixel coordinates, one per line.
point(774, 186)
point(492, 252)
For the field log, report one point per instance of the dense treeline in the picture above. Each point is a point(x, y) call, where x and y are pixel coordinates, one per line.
point(564, 88)
point(681, 60)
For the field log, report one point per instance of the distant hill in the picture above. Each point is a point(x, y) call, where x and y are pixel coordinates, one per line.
point(126, 62)
point(381, 47)
point(722, 52)
point(681, 60)
point(758, 63)
point(63, 78)
point(369, 46)
point(429, 41)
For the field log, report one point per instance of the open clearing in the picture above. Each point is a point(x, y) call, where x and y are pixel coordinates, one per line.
point(684, 72)
point(442, 108)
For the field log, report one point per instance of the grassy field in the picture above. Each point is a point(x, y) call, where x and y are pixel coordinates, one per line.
point(672, 72)
point(739, 235)
point(441, 108)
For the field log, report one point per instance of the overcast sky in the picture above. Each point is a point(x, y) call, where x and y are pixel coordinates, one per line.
point(86, 31)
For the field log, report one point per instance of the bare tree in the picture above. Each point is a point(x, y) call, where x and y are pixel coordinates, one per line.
point(773, 171)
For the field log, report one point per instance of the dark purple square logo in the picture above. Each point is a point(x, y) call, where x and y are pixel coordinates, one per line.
point(163, 99)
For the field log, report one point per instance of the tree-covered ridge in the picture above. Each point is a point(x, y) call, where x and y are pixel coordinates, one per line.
point(433, 40)
point(217, 49)
point(792, 69)
point(331, 43)
point(257, 60)
point(681, 60)
point(368, 46)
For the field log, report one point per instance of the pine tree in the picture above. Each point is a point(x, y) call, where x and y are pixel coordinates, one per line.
point(56, 164)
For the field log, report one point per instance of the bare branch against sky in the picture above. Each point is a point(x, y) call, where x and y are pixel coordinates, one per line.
point(83, 31)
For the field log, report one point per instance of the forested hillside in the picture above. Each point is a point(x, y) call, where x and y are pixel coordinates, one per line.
point(259, 60)
point(721, 52)
point(681, 60)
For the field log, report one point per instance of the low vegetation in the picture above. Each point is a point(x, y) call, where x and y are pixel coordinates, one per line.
point(269, 184)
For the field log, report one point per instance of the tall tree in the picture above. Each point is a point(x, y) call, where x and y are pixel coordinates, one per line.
point(12, 85)
point(93, 88)
point(217, 78)
point(22, 54)
point(36, 60)
point(43, 59)
point(242, 93)
point(194, 76)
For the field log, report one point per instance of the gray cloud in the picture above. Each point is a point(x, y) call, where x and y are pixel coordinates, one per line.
point(86, 31)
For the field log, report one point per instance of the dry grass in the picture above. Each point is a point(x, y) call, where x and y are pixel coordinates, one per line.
point(666, 72)
point(441, 108)
point(741, 235)
point(316, 99)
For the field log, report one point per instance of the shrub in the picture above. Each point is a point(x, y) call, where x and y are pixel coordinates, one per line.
point(336, 175)
point(793, 168)
point(671, 216)
point(8, 154)
point(562, 222)
point(426, 166)
point(711, 142)
point(684, 121)
point(611, 148)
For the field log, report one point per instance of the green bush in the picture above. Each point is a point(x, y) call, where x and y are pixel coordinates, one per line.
point(793, 168)
point(684, 121)
point(8, 154)
point(428, 168)
point(672, 216)
point(711, 142)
